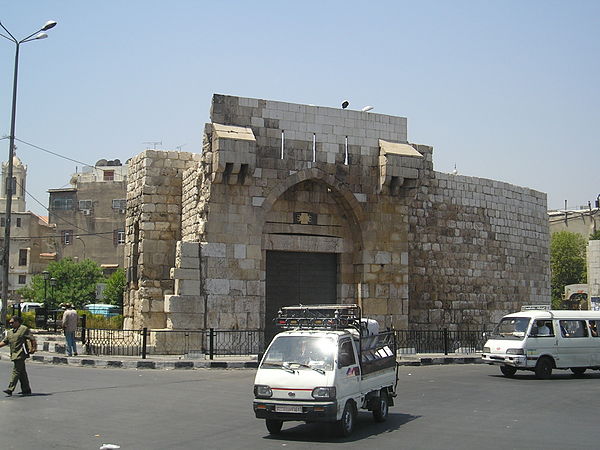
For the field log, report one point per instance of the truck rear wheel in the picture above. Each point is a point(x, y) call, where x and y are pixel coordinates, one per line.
point(380, 412)
point(346, 424)
point(274, 425)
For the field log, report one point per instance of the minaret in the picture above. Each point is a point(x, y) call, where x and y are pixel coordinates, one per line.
point(18, 188)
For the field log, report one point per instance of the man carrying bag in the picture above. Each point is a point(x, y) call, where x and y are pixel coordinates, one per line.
point(21, 343)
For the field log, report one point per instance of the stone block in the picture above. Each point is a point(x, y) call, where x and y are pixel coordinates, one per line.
point(183, 304)
point(187, 287)
point(188, 249)
point(239, 251)
point(185, 321)
point(184, 274)
point(217, 286)
point(214, 249)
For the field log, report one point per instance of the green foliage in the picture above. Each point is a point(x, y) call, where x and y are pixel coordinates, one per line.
point(595, 236)
point(102, 322)
point(28, 318)
point(115, 288)
point(75, 283)
point(567, 262)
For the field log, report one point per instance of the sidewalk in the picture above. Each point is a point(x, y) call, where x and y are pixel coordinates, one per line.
point(51, 351)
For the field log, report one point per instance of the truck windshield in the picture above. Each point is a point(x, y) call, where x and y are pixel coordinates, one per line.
point(300, 352)
point(511, 328)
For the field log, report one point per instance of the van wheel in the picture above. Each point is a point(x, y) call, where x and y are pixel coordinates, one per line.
point(508, 371)
point(346, 424)
point(380, 412)
point(274, 426)
point(543, 368)
point(578, 370)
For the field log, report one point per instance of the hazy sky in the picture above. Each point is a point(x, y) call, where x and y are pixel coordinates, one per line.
point(507, 90)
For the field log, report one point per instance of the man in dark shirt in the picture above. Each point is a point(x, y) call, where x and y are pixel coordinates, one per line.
point(21, 343)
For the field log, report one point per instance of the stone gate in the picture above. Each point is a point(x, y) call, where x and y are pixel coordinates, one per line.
point(292, 203)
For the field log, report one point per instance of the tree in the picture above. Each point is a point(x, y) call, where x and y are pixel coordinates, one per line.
point(567, 262)
point(115, 288)
point(75, 283)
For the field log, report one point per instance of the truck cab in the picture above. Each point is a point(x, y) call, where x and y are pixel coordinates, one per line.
point(324, 366)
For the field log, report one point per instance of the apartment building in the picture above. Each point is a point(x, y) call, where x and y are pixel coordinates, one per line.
point(90, 215)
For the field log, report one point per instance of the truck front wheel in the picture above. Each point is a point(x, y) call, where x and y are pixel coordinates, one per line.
point(508, 371)
point(274, 426)
point(380, 412)
point(346, 424)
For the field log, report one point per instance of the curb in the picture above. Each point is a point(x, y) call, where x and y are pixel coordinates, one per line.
point(148, 364)
point(82, 361)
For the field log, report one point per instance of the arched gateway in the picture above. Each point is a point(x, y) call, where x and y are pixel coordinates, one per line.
point(311, 238)
point(295, 204)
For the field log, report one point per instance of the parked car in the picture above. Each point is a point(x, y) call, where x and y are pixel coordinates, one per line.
point(103, 309)
point(30, 306)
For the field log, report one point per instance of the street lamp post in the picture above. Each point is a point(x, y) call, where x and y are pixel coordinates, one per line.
point(46, 275)
point(52, 286)
point(39, 34)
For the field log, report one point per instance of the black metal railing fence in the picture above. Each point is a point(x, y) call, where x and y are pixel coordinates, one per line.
point(213, 342)
point(192, 343)
point(440, 341)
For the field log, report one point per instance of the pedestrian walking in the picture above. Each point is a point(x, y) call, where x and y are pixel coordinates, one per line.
point(69, 324)
point(21, 343)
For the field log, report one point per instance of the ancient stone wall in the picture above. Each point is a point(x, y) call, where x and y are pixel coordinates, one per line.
point(413, 247)
point(153, 227)
point(478, 250)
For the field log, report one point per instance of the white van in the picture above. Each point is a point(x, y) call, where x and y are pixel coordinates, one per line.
point(539, 339)
point(30, 306)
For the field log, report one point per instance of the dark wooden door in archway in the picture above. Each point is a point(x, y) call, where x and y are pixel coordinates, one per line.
point(298, 278)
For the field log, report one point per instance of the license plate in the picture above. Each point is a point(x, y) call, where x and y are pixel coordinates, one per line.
point(288, 409)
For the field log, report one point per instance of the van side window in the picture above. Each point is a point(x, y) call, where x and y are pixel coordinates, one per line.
point(573, 328)
point(542, 328)
point(346, 354)
point(594, 328)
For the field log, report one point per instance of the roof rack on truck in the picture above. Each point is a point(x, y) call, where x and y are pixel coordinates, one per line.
point(319, 316)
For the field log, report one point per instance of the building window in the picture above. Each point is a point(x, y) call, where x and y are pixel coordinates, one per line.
point(119, 237)
point(109, 175)
point(13, 186)
point(23, 257)
point(119, 203)
point(85, 205)
point(67, 237)
point(62, 203)
point(19, 222)
point(22, 279)
point(2, 221)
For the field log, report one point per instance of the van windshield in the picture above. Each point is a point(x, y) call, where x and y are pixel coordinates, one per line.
point(300, 352)
point(511, 328)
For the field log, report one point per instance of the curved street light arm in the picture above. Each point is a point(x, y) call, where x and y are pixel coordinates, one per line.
point(12, 38)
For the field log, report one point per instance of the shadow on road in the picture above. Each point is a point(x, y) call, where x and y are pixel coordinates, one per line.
point(321, 432)
point(556, 375)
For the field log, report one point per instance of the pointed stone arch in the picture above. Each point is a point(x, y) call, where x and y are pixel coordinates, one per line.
point(333, 272)
point(346, 198)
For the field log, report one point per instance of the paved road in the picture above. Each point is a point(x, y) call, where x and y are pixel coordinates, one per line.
point(438, 407)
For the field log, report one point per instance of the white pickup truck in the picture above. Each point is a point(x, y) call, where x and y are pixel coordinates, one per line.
point(328, 364)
